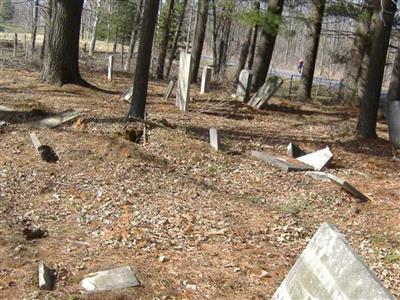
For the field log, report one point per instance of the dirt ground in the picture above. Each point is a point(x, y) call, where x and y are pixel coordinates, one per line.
point(227, 225)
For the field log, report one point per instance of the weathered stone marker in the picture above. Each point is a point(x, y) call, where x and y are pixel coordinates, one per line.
point(117, 278)
point(171, 86)
point(214, 139)
point(59, 119)
point(183, 85)
point(110, 67)
point(318, 159)
point(393, 113)
point(271, 85)
point(206, 80)
point(281, 163)
point(47, 277)
point(244, 85)
point(330, 269)
point(127, 96)
point(45, 151)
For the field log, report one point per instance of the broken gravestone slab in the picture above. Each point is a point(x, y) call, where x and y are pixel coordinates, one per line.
point(117, 278)
point(318, 159)
point(330, 269)
point(281, 163)
point(47, 277)
point(271, 85)
point(171, 86)
point(214, 139)
point(127, 95)
point(59, 119)
point(183, 85)
point(294, 151)
point(340, 182)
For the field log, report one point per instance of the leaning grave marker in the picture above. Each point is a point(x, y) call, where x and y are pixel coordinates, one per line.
point(271, 85)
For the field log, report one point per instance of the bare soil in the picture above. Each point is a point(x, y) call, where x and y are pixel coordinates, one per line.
point(219, 218)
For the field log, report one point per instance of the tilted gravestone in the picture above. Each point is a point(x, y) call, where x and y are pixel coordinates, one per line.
point(269, 88)
point(244, 85)
point(183, 85)
point(206, 80)
point(330, 269)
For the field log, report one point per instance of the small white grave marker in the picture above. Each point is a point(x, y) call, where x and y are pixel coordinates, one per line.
point(214, 139)
point(110, 67)
point(206, 80)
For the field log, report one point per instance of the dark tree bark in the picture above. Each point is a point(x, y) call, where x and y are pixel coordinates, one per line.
point(132, 42)
point(61, 63)
point(311, 49)
point(244, 52)
point(381, 28)
point(138, 104)
point(164, 40)
point(266, 45)
point(198, 41)
point(34, 25)
point(253, 44)
point(356, 55)
point(172, 53)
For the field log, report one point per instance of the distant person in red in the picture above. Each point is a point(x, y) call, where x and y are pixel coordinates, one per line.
point(300, 65)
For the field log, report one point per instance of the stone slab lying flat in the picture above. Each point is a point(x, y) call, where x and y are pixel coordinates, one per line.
point(117, 278)
point(59, 119)
point(5, 108)
point(318, 159)
point(330, 269)
point(281, 163)
point(340, 182)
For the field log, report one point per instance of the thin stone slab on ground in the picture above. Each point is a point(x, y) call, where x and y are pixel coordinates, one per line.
point(127, 96)
point(294, 151)
point(3, 124)
point(244, 85)
point(46, 277)
point(5, 108)
point(330, 269)
point(206, 80)
point(281, 163)
point(59, 119)
point(214, 139)
point(117, 278)
point(341, 182)
point(170, 88)
point(46, 152)
point(318, 159)
point(183, 85)
point(269, 88)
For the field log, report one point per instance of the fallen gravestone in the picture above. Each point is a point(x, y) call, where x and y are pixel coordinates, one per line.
point(271, 85)
point(127, 95)
point(244, 85)
point(117, 278)
point(214, 139)
point(183, 85)
point(45, 151)
point(5, 108)
point(330, 269)
point(47, 277)
point(59, 119)
point(294, 151)
point(206, 80)
point(281, 163)
point(318, 159)
point(171, 86)
point(340, 182)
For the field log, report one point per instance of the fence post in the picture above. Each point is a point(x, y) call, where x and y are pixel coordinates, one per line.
point(340, 89)
point(290, 86)
point(15, 44)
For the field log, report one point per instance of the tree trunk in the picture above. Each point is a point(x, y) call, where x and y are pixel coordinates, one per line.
point(116, 40)
point(34, 25)
point(132, 41)
point(199, 39)
point(266, 45)
point(61, 64)
point(381, 27)
point(94, 29)
point(138, 104)
point(311, 49)
point(353, 67)
point(253, 45)
point(244, 52)
point(163, 47)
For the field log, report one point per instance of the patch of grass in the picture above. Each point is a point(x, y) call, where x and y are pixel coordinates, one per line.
point(295, 206)
point(392, 257)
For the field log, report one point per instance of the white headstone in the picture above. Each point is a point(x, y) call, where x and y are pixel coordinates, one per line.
point(330, 269)
point(318, 159)
point(110, 67)
point(244, 85)
point(206, 80)
point(183, 85)
point(127, 96)
point(214, 139)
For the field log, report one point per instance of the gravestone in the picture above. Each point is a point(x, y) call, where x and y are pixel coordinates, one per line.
point(393, 113)
point(330, 269)
point(244, 85)
point(127, 96)
point(46, 277)
point(117, 278)
point(281, 163)
point(214, 139)
point(318, 159)
point(271, 85)
point(59, 119)
point(110, 67)
point(171, 86)
point(294, 151)
point(183, 85)
point(206, 80)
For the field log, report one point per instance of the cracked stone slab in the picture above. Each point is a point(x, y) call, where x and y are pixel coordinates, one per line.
point(318, 159)
point(118, 278)
point(281, 163)
point(59, 119)
point(330, 269)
